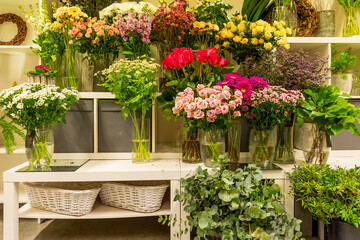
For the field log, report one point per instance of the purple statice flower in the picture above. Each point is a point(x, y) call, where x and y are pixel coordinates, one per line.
point(245, 88)
point(257, 82)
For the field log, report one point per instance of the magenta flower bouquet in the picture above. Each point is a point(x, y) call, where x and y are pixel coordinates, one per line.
point(211, 109)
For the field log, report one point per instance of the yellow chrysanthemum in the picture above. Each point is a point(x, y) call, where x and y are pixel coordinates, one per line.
point(254, 32)
point(268, 46)
point(282, 23)
point(237, 39)
point(254, 41)
point(280, 42)
point(288, 31)
point(277, 33)
point(241, 27)
point(261, 41)
point(260, 22)
point(252, 26)
point(199, 24)
point(268, 35)
point(283, 32)
point(233, 28)
point(226, 44)
point(229, 25)
point(268, 29)
point(238, 18)
point(244, 41)
point(287, 46)
point(259, 29)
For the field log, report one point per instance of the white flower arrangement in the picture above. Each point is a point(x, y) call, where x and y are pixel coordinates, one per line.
point(38, 17)
point(123, 9)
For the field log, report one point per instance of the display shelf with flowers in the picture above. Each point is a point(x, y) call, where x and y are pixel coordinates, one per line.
point(35, 108)
point(133, 83)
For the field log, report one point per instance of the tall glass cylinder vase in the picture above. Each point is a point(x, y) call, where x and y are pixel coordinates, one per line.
point(288, 15)
point(233, 143)
point(58, 65)
point(351, 27)
point(212, 145)
point(70, 67)
point(284, 145)
point(87, 78)
point(140, 139)
point(99, 65)
point(262, 147)
point(39, 149)
point(316, 146)
point(191, 147)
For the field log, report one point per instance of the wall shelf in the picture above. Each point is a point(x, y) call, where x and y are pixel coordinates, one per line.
point(22, 49)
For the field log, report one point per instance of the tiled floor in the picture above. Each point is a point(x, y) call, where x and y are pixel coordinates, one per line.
point(105, 229)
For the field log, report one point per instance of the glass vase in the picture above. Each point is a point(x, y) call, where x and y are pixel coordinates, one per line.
point(316, 146)
point(99, 65)
point(233, 143)
point(140, 139)
point(191, 147)
point(87, 78)
point(70, 67)
point(288, 15)
point(39, 149)
point(262, 147)
point(212, 145)
point(351, 27)
point(58, 65)
point(284, 145)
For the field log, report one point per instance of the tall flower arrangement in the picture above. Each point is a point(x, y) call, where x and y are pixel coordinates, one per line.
point(36, 107)
point(170, 26)
point(242, 38)
point(65, 19)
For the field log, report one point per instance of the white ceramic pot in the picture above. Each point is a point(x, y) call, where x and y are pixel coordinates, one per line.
point(345, 84)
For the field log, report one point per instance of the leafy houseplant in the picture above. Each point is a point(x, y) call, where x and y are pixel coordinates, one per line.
point(35, 108)
point(133, 83)
point(328, 193)
point(42, 74)
point(235, 205)
point(331, 114)
point(340, 63)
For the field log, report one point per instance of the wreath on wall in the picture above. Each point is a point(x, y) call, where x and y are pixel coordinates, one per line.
point(21, 25)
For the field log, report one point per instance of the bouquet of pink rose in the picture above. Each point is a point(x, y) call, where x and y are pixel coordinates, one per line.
point(211, 109)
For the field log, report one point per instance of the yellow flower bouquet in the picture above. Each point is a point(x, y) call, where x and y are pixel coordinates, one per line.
point(243, 39)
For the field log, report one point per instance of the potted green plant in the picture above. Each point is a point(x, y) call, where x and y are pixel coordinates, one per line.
point(341, 75)
point(42, 75)
point(331, 114)
point(235, 205)
point(332, 195)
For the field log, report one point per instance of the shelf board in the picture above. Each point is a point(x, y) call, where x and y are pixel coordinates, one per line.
point(99, 212)
point(96, 95)
point(17, 50)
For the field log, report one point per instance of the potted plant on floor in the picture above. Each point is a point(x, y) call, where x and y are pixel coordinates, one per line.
point(332, 195)
point(235, 205)
point(341, 75)
point(331, 114)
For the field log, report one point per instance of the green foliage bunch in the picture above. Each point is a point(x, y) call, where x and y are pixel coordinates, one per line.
point(212, 12)
point(235, 205)
point(257, 9)
point(328, 193)
point(342, 61)
point(329, 111)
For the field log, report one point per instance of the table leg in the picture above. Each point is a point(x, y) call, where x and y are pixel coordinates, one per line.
point(289, 200)
point(11, 211)
point(175, 209)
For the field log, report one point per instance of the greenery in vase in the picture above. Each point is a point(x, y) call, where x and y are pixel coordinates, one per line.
point(34, 107)
point(234, 205)
point(330, 112)
point(98, 40)
point(293, 70)
point(204, 33)
point(328, 193)
point(341, 62)
point(170, 25)
point(242, 38)
point(256, 9)
point(350, 7)
point(91, 7)
point(133, 83)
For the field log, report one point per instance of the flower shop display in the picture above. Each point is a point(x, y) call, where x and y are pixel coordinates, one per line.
point(42, 75)
point(88, 6)
point(285, 10)
point(265, 109)
point(331, 114)
point(242, 38)
point(341, 75)
point(330, 194)
point(133, 83)
point(228, 204)
point(257, 9)
point(36, 108)
point(65, 19)
point(293, 70)
point(210, 109)
point(52, 47)
point(184, 68)
point(170, 25)
point(204, 33)
point(351, 27)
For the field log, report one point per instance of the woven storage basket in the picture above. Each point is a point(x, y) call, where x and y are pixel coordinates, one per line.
point(74, 199)
point(136, 196)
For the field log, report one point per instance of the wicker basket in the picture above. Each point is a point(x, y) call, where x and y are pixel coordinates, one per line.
point(137, 196)
point(68, 198)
